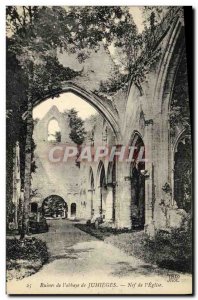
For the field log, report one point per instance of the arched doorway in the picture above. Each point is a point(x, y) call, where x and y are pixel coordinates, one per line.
point(180, 138)
point(73, 210)
point(54, 207)
point(137, 185)
point(106, 109)
point(110, 199)
point(183, 173)
point(102, 189)
point(91, 190)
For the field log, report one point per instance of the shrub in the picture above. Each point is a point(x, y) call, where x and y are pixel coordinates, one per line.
point(28, 249)
point(173, 250)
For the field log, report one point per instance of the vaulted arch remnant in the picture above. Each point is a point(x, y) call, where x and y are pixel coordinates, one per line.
point(105, 107)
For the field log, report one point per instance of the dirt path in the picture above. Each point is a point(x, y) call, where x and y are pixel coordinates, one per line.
point(80, 263)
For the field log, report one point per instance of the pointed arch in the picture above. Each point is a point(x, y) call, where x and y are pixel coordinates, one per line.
point(104, 106)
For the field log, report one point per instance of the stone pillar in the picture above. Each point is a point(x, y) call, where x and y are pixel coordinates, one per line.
point(16, 182)
point(123, 196)
point(97, 201)
point(149, 201)
point(149, 184)
point(109, 205)
point(91, 202)
point(69, 210)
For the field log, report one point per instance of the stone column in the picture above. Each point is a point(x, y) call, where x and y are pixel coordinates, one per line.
point(91, 201)
point(69, 210)
point(123, 196)
point(16, 182)
point(149, 174)
point(109, 204)
point(97, 202)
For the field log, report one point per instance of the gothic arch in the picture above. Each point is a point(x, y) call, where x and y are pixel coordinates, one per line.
point(137, 184)
point(54, 206)
point(168, 66)
point(111, 191)
point(102, 188)
point(91, 189)
point(135, 135)
point(101, 168)
point(91, 178)
point(103, 106)
point(181, 165)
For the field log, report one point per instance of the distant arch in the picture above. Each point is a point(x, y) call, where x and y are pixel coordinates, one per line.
point(73, 210)
point(102, 186)
point(182, 172)
point(91, 189)
point(55, 207)
point(111, 191)
point(137, 169)
point(91, 178)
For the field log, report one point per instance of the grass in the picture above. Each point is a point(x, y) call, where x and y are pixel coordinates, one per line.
point(102, 232)
point(170, 250)
point(24, 257)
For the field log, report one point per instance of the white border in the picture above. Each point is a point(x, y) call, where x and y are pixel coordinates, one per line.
point(3, 4)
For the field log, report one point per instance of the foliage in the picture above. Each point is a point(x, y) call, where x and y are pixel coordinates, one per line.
point(179, 107)
point(58, 136)
point(53, 205)
point(35, 35)
point(28, 249)
point(173, 250)
point(100, 233)
point(154, 15)
point(136, 54)
point(76, 124)
point(38, 37)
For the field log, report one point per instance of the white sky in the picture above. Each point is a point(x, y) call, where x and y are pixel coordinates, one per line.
point(136, 12)
point(53, 127)
point(63, 102)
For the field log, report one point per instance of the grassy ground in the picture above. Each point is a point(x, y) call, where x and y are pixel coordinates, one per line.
point(169, 251)
point(132, 243)
point(102, 232)
point(24, 257)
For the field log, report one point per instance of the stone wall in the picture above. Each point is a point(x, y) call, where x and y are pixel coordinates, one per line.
point(50, 178)
point(146, 114)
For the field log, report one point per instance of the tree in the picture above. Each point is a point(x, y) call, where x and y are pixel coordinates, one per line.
point(35, 35)
point(53, 205)
point(78, 133)
point(58, 136)
point(136, 54)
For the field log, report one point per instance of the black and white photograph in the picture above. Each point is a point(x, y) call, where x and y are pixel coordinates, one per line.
point(99, 150)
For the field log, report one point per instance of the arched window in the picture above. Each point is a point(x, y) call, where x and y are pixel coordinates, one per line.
point(137, 185)
point(73, 210)
point(54, 132)
point(183, 173)
point(101, 183)
point(34, 207)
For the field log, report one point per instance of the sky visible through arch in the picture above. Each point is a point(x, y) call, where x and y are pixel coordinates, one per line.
point(64, 102)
